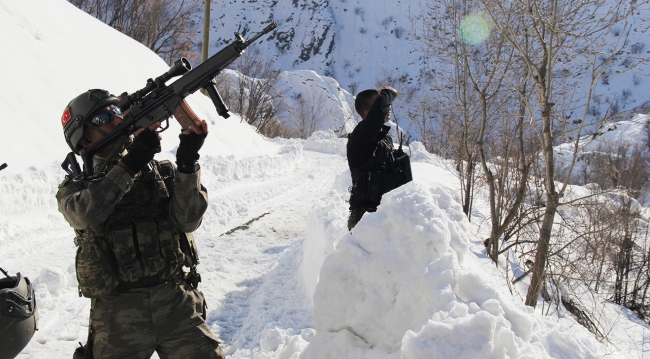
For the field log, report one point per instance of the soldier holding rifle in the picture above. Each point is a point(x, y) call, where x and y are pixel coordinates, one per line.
point(134, 216)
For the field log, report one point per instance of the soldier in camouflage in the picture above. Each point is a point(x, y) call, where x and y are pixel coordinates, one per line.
point(133, 220)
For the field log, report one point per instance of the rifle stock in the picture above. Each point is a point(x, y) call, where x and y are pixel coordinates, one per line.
point(156, 102)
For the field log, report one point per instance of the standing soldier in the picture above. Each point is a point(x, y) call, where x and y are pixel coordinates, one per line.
point(133, 220)
point(371, 155)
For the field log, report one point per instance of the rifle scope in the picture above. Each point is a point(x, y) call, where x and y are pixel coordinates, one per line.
point(180, 67)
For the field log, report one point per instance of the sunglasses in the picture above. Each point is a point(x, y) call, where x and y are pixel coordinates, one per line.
point(106, 116)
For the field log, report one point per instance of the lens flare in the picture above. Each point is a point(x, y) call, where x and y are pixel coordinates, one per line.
point(475, 28)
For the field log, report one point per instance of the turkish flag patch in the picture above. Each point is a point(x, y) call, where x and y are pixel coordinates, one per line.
point(66, 117)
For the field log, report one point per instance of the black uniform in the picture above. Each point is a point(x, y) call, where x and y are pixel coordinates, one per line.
point(370, 155)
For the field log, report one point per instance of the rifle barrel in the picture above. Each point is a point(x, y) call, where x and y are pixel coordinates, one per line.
point(264, 31)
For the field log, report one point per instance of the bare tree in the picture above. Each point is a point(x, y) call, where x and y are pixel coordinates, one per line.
point(354, 86)
point(546, 33)
point(167, 27)
point(424, 115)
point(307, 113)
point(254, 93)
point(607, 254)
point(477, 96)
point(452, 97)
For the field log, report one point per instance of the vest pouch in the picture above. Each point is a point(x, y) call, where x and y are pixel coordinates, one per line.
point(96, 272)
point(367, 186)
point(375, 186)
point(390, 181)
point(188, 246)
point(170, 244)
point(398, 174)
point(403, 163)
point(128, 265)
point(149, 245)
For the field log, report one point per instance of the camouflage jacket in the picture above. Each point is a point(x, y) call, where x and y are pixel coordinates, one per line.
point(132, 232)
point(87, 205)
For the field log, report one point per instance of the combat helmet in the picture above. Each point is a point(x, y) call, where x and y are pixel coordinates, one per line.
point(18, 314)
point(77, 112)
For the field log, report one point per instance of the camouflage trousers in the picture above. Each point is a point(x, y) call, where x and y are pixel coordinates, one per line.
point(167, 318)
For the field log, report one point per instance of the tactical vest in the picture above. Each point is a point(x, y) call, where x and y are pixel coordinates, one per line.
point(139, 246)
point(386, 170)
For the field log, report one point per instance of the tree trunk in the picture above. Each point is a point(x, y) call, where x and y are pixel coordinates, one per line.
point(552, 198)
point(467, 193)
point(541, 257)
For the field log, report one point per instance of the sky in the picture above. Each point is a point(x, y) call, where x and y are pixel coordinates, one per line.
point(282, 276)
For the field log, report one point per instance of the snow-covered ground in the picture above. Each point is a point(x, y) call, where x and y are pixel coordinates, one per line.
point(282, 275)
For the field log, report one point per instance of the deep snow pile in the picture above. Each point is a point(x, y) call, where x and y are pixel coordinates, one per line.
point(405, 284)
point(412, 281)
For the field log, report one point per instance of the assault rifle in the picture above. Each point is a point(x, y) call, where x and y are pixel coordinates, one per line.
point(156, 102)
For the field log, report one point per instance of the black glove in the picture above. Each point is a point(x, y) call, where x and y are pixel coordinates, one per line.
point(188, 151)
point(141, 151)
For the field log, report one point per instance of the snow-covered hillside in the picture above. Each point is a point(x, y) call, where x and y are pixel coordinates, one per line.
point(366, 43)
point(318, 101)
point(353, 41)
point(283, 277)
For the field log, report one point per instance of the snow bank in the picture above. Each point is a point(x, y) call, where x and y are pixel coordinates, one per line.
point(31, 191)
point(326, 223)
point(230, 167)
point(399, 286)
point(326, 142)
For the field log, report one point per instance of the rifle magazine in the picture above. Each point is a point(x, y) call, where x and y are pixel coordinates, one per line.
point(186, 116)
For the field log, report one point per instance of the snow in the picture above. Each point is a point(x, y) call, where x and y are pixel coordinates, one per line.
point(322, 93)
point(407, 282)
point(367, 43)
point(336, 103)
point(282, 276)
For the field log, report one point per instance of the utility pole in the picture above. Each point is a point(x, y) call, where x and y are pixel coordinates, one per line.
point(206, 30)
point(206, 33)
